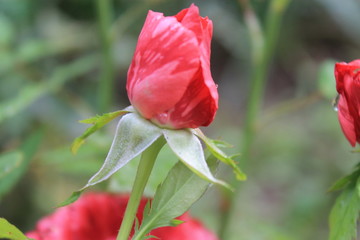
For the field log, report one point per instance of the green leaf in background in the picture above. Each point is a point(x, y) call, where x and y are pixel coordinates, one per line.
point(9, 231)
point(326, 79)
point(99, 122)
point(344, 214)
point(211, 144)
point(189, 150)
point(133, 135)
point(7, 31)
point(14, 164)
point(9, 164)
point(179, 191)
point(30, 93)
point(84, 163)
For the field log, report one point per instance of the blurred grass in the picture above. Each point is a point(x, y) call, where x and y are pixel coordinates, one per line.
point(49, 78)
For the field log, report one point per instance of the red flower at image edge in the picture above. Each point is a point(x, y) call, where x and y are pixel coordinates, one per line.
point(169, 79)
point(348, 86)
point(97, 216)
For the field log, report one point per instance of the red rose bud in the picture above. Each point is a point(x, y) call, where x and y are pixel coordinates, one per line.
point(169, 79)
point(348, 86)
point(97, 216)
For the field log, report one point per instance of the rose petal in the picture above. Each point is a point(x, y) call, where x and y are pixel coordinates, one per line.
point(169, 80)
point(165, 60)
point(346, 121)
point(198, 105)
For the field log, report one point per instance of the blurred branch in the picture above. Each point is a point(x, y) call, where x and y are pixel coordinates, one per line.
point(255, 32)
point(257, 80)
point(31, 93)
point(272, 28)
point(106, 81)
point(288, 107)
point(262, 49)
point(127, 19)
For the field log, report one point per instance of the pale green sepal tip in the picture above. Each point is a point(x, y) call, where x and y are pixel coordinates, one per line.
point(176, 222)
point(74, 196)
point(211, 144)
point(98, 122)
point(187, 147)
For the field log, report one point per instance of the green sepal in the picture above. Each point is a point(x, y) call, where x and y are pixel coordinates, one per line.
point(99, 121)
point(133, 135)
point(212, 146)
point(178, 192)
point(188, 148)
point(220, 143)
point(9, 231)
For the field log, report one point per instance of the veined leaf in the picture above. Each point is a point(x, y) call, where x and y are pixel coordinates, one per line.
point(211, 144)
point(174, 196)
point(344, 215)
point(9, 231)
point(99, 122)
point(189, 150)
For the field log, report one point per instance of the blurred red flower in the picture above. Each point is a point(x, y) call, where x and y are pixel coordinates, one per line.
point(97, 216)
point(348, 86)
point(169, 79)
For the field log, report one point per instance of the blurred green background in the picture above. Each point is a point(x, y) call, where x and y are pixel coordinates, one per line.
point(57, 67)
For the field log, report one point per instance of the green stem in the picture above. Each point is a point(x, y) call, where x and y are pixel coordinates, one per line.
point(106, 82)
point(261, 50)
point(145, 167)
point(257, 79)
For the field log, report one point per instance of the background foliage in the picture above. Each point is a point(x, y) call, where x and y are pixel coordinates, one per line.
point(57, 66)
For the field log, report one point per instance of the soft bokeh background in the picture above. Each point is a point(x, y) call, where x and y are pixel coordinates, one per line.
point(52, 72)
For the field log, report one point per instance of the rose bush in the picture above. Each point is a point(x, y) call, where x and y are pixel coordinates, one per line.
point(97, 216)
point(348, 86)
point(169, 79)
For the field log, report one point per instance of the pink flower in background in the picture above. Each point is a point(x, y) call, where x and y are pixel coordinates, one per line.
point(169, 79)
point(348, 86)
point(97, 216)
